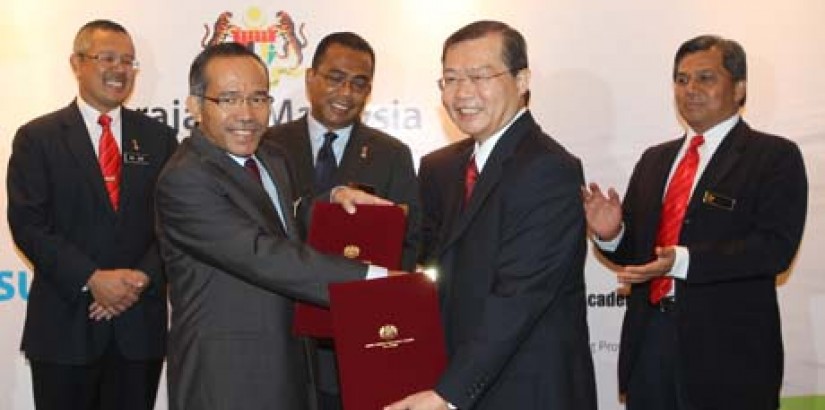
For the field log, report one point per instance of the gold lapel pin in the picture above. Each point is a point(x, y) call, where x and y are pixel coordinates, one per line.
point(135, 145)
point(364, 151)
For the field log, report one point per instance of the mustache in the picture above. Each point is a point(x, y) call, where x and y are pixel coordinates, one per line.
point(246, 125)
point(114, 76)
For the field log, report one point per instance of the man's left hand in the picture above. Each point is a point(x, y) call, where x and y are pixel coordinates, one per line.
point(425, 400)
point(665, 257)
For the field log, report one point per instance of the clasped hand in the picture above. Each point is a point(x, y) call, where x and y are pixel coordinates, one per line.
point(114, 291)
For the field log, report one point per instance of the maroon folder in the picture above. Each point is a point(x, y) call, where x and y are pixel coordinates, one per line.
point(374, 234)
point(388, 339)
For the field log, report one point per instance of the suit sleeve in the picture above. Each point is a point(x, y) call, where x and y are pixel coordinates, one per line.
point(403, 189)
point(29, 186)
point(151, 263)
point(199, 217)
point(431, 212)
point(541, 249)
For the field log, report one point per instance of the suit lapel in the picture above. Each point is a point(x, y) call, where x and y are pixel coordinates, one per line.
point(490, 175)
point(245, 191)
point(454, 192)
point(722, 162)
point(132, 140)
point(300, 146)
point(276, 168)
point(80, 145)
point(357, 154)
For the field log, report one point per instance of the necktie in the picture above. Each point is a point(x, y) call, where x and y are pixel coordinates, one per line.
point(110, 159)
point(470, 178)
point(325, 165)
point(253, 170)
point(673, 211)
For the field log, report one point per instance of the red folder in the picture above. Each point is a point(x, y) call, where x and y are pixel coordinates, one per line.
point(374, 234)
point(388, 339)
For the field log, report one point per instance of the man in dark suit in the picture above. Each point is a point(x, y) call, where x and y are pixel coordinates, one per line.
point(505, 211)
point(234, 258)
point(83, 214)
point(338, 85)
point(702, 248)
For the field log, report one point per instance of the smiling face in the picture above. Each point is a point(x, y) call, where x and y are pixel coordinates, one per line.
point(104, 86)
point(705, 91)
point(483, 106)
point(237, 129)
point(338, 88)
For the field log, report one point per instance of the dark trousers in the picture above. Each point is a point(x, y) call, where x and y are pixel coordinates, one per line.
point(655, 382)
point(110, 383)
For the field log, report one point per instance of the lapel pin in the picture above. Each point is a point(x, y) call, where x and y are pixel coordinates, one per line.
point(135, 145)
point(364, 151)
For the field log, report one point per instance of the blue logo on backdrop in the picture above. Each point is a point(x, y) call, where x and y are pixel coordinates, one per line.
point(14, 285)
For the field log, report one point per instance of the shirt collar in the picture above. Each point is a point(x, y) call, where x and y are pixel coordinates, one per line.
point(91, 115)
point(718, 131)
point(317, 131)
point(482, 151)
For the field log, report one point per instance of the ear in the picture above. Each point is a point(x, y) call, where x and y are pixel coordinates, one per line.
point(308, 74)
point(74, 62)
point(523, 81)
point(739, 91)
point(195, 106)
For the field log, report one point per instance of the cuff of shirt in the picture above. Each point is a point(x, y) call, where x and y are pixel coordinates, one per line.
point(611, 245)
point(680, 264)
point(376, 272)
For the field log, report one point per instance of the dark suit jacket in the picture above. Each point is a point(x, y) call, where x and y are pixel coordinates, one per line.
point(61, 218)
point(371, 157)
point(511, 276)
point(234, 274)
point(727, 315)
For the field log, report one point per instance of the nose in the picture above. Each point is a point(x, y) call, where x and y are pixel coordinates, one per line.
point(465, 87)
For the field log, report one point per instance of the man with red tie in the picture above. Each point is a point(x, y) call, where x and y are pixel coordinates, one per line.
point(504, 225)
point(707, 223)
point(81, 185)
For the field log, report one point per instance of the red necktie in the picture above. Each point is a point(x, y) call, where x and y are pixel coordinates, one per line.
point(109, 159)
point(470, 178)
point(673, 211)
point(252, 167)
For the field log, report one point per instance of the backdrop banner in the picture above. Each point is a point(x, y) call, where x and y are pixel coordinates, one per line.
point(601, 85)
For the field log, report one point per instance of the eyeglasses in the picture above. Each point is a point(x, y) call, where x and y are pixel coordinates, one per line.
point(108, 59)
point(336, 79)
point(452, 81)
point(704, 78)
point(233, 102)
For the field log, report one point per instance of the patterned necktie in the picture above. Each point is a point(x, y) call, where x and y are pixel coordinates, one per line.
point(253, 170)
point(470, 178)
point(673, 211)
point(110, 159)
point(325, 165)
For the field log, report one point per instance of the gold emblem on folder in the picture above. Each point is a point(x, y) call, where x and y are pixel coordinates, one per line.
point(389, 334)
point(352, 251)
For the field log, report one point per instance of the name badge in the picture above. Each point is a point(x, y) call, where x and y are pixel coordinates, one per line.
point(135, 158)
point(719, 201)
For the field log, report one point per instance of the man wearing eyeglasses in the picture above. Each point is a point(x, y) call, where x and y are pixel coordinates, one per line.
point(235, 260)
point(81, 186)
point(509, 240)
point(338, 86)
point(331, 146)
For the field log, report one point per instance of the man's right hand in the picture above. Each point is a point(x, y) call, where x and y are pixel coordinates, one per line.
point(603, 213)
